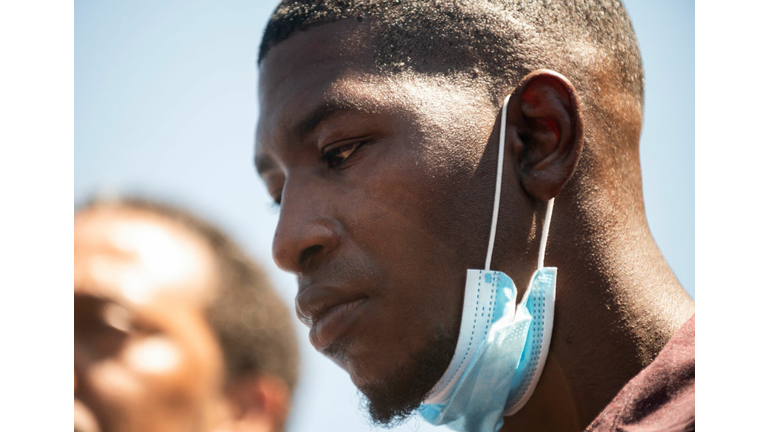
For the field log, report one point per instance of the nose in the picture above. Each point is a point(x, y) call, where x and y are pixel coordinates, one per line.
point(306, 231)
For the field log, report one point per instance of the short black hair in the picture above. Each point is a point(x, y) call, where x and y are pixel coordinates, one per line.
point(504, 39)
point(252, 324)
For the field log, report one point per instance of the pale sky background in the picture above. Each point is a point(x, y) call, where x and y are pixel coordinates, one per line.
point(165, 106)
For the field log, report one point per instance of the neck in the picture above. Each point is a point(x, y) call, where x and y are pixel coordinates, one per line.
point(618, 303)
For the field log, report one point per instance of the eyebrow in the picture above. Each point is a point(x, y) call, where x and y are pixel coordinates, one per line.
point(99, 299)
point(328, 108)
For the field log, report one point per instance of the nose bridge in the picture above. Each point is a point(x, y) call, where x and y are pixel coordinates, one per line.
point(307, 229)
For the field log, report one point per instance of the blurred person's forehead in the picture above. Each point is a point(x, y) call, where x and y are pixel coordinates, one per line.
point(140, 259)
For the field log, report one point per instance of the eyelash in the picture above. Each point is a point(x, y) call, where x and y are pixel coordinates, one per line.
point(329, 156)
point(276, 202)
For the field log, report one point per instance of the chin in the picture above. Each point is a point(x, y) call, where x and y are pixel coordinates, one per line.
point(395, 384)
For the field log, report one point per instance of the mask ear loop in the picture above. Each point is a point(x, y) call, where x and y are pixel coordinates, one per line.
point(497, 198)
point(497, 193)
point(545, 232)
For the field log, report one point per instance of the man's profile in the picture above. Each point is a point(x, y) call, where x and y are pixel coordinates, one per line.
point(176, 328)
point(377, 136)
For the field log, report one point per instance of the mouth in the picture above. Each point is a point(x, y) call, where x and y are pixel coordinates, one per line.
point(333, 323)
point(329, 316)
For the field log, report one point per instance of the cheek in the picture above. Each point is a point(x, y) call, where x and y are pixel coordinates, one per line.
point(175, 371)
point(410, 211)
point(151, 379)
point(412, 225)
point(413, 202)
point(154, 356)
point(114, 382)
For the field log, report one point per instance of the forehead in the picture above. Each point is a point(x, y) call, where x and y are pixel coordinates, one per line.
point(310, 65)
point(316, 55)
point(332, 67)
point(140, 259)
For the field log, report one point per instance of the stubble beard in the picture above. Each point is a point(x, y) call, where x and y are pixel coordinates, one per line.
point(394, 399)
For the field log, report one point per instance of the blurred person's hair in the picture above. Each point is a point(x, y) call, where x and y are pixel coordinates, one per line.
point(252, 324)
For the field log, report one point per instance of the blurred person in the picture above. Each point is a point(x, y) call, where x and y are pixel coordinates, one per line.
point(176, 328)
point(415, 149)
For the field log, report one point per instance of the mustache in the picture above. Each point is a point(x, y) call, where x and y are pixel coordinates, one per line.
point(354, 269)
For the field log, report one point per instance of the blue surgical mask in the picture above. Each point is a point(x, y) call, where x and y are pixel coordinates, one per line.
point(502, 346)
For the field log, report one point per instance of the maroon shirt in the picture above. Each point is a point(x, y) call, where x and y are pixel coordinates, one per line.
point(661, 397)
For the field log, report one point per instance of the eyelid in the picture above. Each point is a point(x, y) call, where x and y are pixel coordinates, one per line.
point(118, 317)
point(335, 156)
point(336, 144)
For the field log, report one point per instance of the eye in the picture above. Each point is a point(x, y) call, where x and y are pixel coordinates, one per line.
point(118, 318)
point(277, 196)
point(336, 155)
point(103, 326)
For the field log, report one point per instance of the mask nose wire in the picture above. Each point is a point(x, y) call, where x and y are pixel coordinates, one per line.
point(497, 197)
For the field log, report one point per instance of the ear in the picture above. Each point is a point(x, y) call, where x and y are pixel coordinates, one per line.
point(545, 131)
point(258, 403)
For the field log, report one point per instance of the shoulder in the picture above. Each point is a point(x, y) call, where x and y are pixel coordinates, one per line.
point(662, 396)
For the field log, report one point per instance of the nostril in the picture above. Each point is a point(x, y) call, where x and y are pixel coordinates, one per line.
point(307, 253)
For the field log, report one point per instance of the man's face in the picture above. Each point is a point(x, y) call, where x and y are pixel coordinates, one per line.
point(386, 196)
point(145, 358)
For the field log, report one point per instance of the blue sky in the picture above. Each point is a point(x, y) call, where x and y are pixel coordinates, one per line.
point(165, 105)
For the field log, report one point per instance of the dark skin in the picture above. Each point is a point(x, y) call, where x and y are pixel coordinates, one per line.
point(146, 358)
point(386, 186)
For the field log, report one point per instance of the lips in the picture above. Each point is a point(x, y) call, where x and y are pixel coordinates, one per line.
point(329, 313)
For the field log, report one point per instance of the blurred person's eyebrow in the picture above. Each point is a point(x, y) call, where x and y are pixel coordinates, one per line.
point(93, 299)
point(98, 299)
point(82, 293)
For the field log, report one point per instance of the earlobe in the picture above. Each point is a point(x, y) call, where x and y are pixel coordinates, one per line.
point(545, 132)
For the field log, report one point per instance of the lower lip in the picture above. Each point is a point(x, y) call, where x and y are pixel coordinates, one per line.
point(333, 324)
